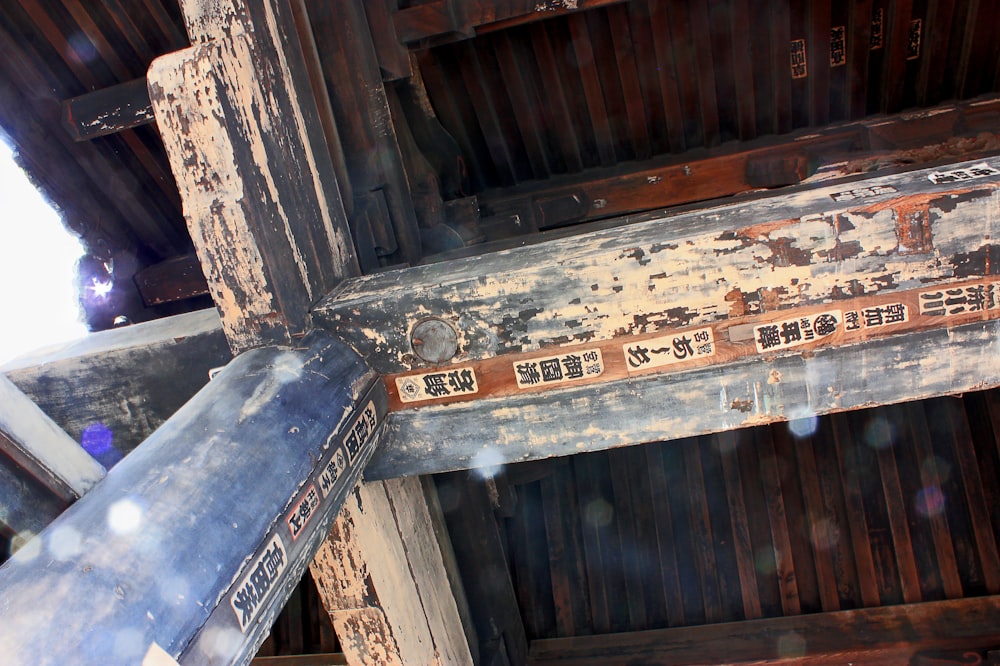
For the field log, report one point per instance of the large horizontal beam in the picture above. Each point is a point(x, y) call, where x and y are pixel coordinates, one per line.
point(628, 335)
point(940, 632)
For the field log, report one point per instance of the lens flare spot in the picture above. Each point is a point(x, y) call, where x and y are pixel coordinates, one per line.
point(929, 501)
point(879, 433)
point(98, 440)
point(764, 562)
point(174, 589)
point(487, 463)
point(804, 426)
point(124, 516)
point(128, 645)
point(221, 644)
point(64, 543)
point(935, 468)
point(598, 512)
point(825, 534)
point(791, 646)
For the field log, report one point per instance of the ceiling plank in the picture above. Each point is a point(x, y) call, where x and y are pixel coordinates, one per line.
point(877, 636)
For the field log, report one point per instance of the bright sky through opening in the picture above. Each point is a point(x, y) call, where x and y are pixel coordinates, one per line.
point(37, 259)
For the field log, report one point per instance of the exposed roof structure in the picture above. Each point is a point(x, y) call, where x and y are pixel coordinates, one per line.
point(458, 130)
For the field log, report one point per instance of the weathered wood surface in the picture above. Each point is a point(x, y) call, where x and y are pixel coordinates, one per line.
point(224, 535)
point(665, 272)
point(246, 146)
point(659, 407)
point(108, 110)
point(42, 449)
point(887, 635)
point(111, 390)
point(381, 577)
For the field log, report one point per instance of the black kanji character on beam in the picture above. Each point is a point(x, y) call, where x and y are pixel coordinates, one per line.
point(551, 370)
point(790, 332)
point(573, 365)
point(527, 373)
point(434, 385)
point(462, 381)
point(825, 324)
point(768, 337)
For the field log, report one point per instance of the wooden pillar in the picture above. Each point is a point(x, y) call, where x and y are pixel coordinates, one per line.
point(239, 122)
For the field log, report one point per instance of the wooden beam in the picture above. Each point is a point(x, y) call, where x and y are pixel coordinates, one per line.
point(36, 444)
point(112, 389)
point(108, 110)
point(172, 280)
point(725, 276)
point(910, 633)
point(740, 168)
point(247, 149)
point(381, 578)
point(191, 547)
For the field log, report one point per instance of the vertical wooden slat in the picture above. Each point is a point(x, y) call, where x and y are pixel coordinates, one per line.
point(746, 563)
point(665, 537)
point(566, 555)
point(818, 524)
point(937, 33)
point(628, 548)
point(587, 68)
point(556, 108)
point(780, 40)
point(844, 441)
point(610, 82)
point(838, 529)
point(975, 497)
point(701, 25)
point(798, 19)
point(683, 40)
point(667, 74)
point(795, 515)
point(839, 102)
point(720, 41)
point(486, 113)
point(701, 532)
point(529, 553)
point(818, 17)
point(644, 45)
point(762, 54)
point(897, 32)
point(783, 560)
point(628, 74)
point(896, 507)
point(744, 68)
point(644, 506)
point(858, 49)
point(514, 72)
point(593, 511)
point(960, 71)
point(685, 549)
point(727, 568)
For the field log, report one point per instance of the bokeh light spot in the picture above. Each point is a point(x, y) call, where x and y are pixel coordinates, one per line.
point(598, 512)
point(64, 542)
point(124, 516)
point(879, 433)
point(791, 646)
point(98, 440)
point(487, 463)
point(929, 501)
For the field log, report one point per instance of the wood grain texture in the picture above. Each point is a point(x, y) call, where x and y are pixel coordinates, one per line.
point(877, 636)
point(260, 195)
point(669, 271)
point(381, 578)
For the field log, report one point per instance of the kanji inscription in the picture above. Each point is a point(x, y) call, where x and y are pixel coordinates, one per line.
point(433, 385)
point(558, 369)
point(780, 335)
point(669, 349)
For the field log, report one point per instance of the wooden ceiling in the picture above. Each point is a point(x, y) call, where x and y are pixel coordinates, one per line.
point(754, 524)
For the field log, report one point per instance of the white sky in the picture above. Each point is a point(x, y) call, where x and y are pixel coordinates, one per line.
point(38, 304)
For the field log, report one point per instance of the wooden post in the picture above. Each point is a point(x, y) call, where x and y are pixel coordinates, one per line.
point(239, 123)
point(197, 538)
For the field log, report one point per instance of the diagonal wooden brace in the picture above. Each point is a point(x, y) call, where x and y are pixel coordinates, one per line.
point(195, 541)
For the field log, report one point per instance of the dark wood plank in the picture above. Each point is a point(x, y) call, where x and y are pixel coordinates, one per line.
point(839, 101)
point(530, 563)
point(845, 443)
point(628, 551)
point(628, 75)
point(526, 108)
point(659, 488)
point(897, 30)
point(821, 529)
point(701, 533)
point(559, 120)
point(667, 76)
point(745, 67)
point(936, 43)
point(781, 36)
point(784, 564)
point(869, 636)
point(727, 571)
point(487, 115)
point(683, 39)
point(684, 546)
point(724, 61)
point(649, 565)
point(563, 522)
point(819, 17)
point(708, 100)
point(587, 70)
point(742, 542)
point(972, 481)
point(596, 511)
point(800, 35)
point(173, 280)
